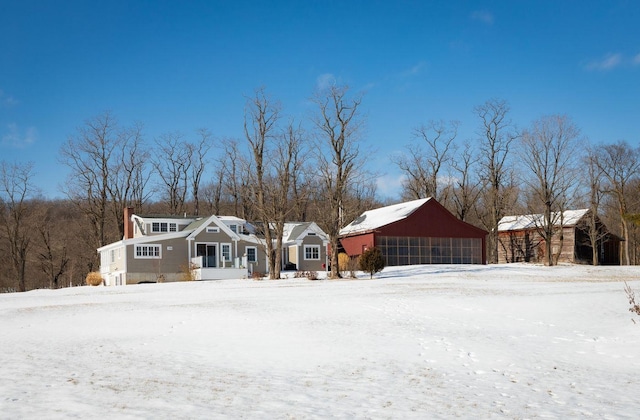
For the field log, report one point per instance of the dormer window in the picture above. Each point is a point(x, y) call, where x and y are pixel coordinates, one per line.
point(234, 228)
point(163, 227)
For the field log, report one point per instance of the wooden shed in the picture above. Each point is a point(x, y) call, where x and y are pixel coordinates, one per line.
point(415, 232)
point(519, 239)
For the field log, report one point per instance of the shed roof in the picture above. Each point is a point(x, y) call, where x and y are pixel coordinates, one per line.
point(531, 221)
point(374, 219)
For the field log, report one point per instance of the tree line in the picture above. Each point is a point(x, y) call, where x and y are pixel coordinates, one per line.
point(310, 170)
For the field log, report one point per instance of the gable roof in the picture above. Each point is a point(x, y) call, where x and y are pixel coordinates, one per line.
point(294, 230)
point(374, 219)
point(531, 221)
point(199, 225)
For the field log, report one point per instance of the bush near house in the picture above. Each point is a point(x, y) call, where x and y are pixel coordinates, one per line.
point(309, 275)
point(371, 261)
point(93, 279)
point(347, 265)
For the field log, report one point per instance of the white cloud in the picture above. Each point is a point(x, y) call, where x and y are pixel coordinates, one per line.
point(17, 139)
point(390, 186)
point(609, 62)
point(483, 16)
point(415, 69)
point(7, 100)
point(325, 81)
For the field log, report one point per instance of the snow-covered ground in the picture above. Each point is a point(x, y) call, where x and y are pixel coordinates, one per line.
point(506, 341)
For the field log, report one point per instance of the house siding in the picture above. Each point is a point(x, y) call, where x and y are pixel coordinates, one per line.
point(312, 265)
point(260, 266)
point(293, 255)
point(528, 246)
point(170, 267)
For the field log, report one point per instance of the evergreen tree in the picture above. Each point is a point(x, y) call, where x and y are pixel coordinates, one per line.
point(372, 261)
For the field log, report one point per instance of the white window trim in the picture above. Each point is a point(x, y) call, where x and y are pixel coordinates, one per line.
point(168, 227)
point(222, 245)
point(147, 257)
point(213, 229)
point(246, 251)
point(316, 247)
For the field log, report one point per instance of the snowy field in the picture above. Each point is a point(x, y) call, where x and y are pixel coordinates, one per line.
point(506, 341)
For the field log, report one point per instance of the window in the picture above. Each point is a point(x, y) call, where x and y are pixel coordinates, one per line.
point(148, 251)
point(234, 228)
point(414, 250)
point(113, 255)
point(252, 254)
point(211, 229)
point(162, 227)
point(225, 252)
point(311, 252)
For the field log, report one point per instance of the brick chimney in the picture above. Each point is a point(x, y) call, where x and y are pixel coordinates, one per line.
point(128, 223)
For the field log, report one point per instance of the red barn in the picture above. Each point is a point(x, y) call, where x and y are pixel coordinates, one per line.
point(416, 232)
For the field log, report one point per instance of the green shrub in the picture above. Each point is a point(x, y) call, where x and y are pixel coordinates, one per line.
point(371, 261)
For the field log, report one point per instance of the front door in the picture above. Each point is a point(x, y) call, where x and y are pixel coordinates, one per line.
point(208, 254)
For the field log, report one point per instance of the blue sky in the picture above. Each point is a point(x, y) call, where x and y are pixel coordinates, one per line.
point(184, 65)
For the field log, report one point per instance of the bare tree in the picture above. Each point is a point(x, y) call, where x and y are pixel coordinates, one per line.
point(16, 189)
point(53, 254)
point(338, 127)
point(172, 164)
point(212, 191)
point(428, 157)
point(619, 164)
point(496, 136)
point(236, 180)
point(90, 155)
point(549, 154)
point(261, 117)
point(198, 152)
point(128, 175)
point(280, 204)
point(466, 189)
point(593, 228)
point(300, 178)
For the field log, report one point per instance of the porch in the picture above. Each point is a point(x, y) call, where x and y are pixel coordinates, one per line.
point(237, 269)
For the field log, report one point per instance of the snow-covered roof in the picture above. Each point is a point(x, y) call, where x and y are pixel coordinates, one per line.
point(374, 219)
point(531, 221)
point(294, 230)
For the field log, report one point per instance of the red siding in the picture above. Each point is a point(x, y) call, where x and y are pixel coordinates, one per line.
point(432, 220)
point(354, 245)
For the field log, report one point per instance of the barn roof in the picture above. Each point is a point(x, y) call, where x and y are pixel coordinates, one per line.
point(531, 221)
point(374, 219)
